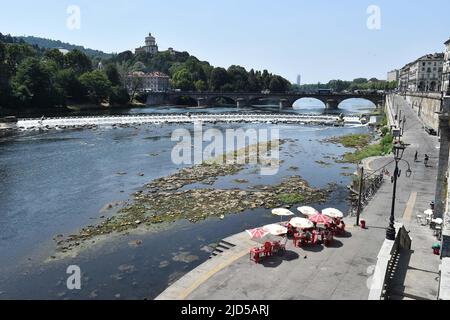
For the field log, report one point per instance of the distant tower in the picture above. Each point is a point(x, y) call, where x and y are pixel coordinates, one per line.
point(299, 80)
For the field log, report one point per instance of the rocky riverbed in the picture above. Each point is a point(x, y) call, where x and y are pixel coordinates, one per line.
point(168, 199)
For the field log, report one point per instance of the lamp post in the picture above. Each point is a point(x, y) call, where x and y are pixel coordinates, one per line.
point(398, 154)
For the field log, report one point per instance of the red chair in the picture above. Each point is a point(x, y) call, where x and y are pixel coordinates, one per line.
point(278, 247)
point(255, 254)
point(267, 249)
point(299, 239)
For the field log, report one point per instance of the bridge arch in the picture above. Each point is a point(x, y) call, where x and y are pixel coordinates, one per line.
point(370, 102)
point(308, 103)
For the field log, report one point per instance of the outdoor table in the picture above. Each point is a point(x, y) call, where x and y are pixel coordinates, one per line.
point(277, 246)
point(255, 254)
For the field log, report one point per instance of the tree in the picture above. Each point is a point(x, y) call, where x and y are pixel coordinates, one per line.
point(219, 77)
point(5, 94)
point(113, 74)
point(275, 85)
point(119, 96)
point(200, 85)
point(97, 85)
point(182, 80)
point(138, 67)
point(16, 53)
point(33, 85)
point(56, 56)
point(134, 84)
point(78, 62)
point(253, 83)
point(238, 78)
point(70, 85)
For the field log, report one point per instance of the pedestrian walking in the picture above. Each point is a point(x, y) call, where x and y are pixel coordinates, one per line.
point(426, 160)
point(416, 156)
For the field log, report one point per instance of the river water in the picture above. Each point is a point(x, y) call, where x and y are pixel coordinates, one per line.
point(58, 182)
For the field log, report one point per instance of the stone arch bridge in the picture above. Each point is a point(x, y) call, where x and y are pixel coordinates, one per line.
point(285, 100)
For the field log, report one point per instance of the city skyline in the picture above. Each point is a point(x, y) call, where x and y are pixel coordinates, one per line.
point(319, 38)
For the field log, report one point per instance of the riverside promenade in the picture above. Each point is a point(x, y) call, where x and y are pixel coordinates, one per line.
point(344, 270)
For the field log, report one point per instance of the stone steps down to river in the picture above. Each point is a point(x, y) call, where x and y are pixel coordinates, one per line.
point(93, 122)
point(221, 247)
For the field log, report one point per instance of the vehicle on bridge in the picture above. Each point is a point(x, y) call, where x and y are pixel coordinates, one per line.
point(325, 91)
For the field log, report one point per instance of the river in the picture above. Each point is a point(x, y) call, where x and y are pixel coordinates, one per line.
point(58, 182)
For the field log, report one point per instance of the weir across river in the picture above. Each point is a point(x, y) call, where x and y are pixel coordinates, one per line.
point(70, 122)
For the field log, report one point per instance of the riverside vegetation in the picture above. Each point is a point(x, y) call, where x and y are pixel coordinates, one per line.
point(364, 147)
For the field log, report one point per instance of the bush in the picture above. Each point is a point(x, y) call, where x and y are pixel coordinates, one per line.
point(119, 96)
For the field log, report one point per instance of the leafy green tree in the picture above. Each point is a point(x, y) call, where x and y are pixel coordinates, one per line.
point(200, 85)
point(78, 62)
point(238, 77)
point(138, 67)
point(97, 84)
point(16, 53)
point(219, 77)
point(254, 84)
point(182, 80)
point(5, 92)
point(56, 56)
point(33, 85)
point(119, 96)
point(113, 74)
point(70, 85)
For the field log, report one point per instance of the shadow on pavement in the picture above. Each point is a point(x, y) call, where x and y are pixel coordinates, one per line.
point(336, 244)
point(312, 248)
point(345, 235)
point(276, 260)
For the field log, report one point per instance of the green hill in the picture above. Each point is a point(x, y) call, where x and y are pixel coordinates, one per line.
point(57, 44)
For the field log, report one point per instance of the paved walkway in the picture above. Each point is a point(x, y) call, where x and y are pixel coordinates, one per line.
point(344, 270)
point(417, 276)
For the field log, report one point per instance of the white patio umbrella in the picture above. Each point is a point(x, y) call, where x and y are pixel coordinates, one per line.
point(308, 211)
point(333, 213)
point(301, 223)
point(282, 212)
point(275, 229)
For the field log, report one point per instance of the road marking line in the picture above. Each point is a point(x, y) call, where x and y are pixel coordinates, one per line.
point(410, 206)
point(212, 272)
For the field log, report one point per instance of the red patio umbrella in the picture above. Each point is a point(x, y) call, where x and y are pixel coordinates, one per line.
point(320, 219)
point(257, 233)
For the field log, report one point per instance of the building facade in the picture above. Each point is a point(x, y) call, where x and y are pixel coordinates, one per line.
point(425, 74)
point(147, 82)
point(404, 78)
point(393, 75)
point(446, 68)
point(150, 46)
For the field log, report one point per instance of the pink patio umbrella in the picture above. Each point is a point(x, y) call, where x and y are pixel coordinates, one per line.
point(320, 219)
point(257, 233)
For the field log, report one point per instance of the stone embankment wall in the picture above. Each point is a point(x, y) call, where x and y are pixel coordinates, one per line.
point(426, 105)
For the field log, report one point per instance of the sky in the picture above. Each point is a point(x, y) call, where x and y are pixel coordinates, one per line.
point(320, 40)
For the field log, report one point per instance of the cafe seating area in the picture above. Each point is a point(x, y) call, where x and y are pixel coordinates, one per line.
point(315, 229)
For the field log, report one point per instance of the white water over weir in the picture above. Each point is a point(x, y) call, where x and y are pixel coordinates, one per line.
point(71, 122)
